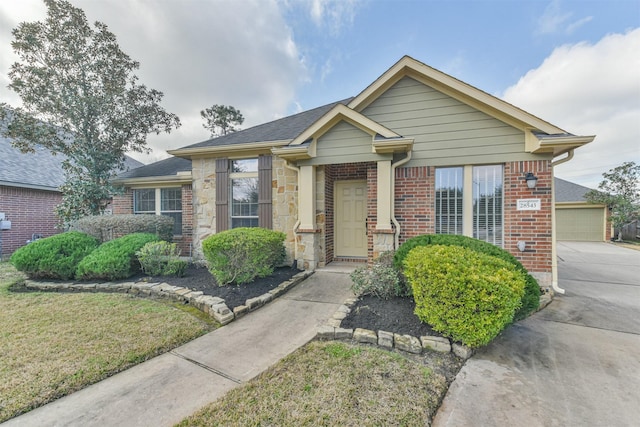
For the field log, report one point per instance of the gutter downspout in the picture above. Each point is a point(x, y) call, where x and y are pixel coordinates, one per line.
point(297, 224)
point(554, 251)
point(396, 224)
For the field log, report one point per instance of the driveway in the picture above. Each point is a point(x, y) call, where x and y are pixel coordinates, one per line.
point(576, 363)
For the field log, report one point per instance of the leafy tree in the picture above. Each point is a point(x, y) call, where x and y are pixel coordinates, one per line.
point(620, 190)
point(221, 119)
point(80, 99)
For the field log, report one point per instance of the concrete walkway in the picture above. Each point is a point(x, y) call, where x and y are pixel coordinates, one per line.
point(576, 363)
point(164, 390)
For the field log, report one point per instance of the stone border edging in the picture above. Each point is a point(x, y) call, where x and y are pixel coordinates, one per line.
point(213, 306)
point(389, 340)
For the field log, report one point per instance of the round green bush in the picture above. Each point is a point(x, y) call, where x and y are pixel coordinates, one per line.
point(242, 254)
point(531, 297)
point(115, 259)
point(161, 259)
point(467, 296)
point(54, 257)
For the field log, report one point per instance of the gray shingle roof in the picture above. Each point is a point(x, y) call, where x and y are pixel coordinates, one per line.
point(282, 129)
point(569, 192)
point(170, 166)
point(41, 170)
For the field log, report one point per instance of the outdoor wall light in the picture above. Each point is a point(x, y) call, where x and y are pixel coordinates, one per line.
point(522, 246)
point(531, 179)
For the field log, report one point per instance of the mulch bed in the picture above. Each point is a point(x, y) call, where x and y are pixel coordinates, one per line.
point(200, 279)
point(392, 315)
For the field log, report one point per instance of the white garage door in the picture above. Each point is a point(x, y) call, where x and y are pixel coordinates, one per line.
point(576, 224)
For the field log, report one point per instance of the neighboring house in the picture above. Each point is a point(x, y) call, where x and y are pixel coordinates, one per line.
point(416, 152)
point(577, 219)
point(29, 193)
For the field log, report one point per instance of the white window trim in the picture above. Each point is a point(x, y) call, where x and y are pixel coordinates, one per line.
point(157, 200)
point(467, 198)
point(239, 175)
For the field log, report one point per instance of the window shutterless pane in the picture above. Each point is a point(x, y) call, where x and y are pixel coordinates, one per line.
point(144, 200)
point(171, 199)
point(244, 202)
point(488, 204)
point(244, 165)
point(449, 183)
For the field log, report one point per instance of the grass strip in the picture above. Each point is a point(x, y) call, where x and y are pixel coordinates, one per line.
point(52, 344)
point(332, 383)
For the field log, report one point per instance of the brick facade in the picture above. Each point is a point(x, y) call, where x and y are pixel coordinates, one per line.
point(532, 227)
point(414, 205)
point(30, 211)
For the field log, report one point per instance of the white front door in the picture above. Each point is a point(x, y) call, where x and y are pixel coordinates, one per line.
point(350, 219)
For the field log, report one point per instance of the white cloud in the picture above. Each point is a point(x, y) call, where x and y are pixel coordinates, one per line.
point(239, 53)
point(571, 28)
point(333, 15)
point(555, 20)
point(589, 89)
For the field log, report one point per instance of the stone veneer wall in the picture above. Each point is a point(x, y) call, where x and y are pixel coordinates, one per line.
point(285, 204)
point(203, 172)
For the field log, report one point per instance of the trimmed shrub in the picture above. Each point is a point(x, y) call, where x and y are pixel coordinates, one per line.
point(109, 227)
point(381, 279)
point(54, 257)
point(161, 259)
point(531, 297)
point(242, 254)
point(464, 294)
point(115, 259)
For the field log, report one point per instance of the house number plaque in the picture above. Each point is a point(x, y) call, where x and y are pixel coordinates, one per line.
point(528, 205)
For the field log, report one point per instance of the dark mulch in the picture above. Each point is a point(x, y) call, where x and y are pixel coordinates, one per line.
point(200, 279)
point(392, 315)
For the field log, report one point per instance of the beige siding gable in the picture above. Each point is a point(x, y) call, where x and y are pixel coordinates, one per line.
point(446, 131)
point(344, 143)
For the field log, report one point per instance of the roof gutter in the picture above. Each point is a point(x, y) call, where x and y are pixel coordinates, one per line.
point(396, 224)
point(554, 250)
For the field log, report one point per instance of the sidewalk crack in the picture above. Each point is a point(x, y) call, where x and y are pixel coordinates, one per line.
point(208, 368)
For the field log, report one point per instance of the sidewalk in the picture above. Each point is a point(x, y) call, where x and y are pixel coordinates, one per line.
point(164, 390)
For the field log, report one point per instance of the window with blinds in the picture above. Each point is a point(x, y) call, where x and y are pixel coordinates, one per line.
point(449, 187)
point(488, 204)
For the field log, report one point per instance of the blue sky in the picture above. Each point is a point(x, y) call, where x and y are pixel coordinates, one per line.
point(573, 63)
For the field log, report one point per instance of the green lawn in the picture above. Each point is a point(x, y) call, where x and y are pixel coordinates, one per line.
point(336, 384)
point(52, 344)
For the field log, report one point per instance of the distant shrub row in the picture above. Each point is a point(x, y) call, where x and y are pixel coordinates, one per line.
point(78, 255)
point(108, 227)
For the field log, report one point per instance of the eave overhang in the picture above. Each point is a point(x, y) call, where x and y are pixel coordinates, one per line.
point(230, 151)
point(557, 144)
point(156, 181)
point(392, 145)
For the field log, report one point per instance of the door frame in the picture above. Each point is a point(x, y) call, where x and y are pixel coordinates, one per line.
point(336, 197)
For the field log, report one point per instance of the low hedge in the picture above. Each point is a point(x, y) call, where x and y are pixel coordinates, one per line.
point(242, 254)
point(115, 259)
point(54, 257)
point(466, 295)
point(380, 279)
point(161, 259)
point(109, 227)
point(531, 297)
